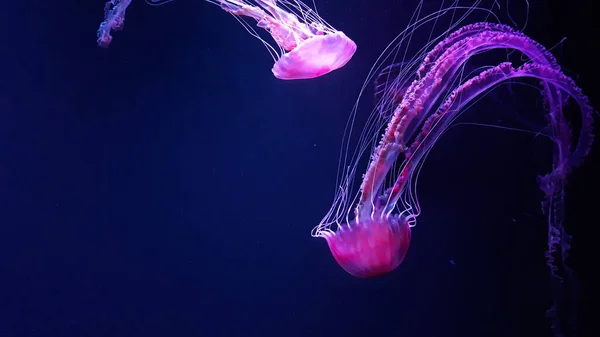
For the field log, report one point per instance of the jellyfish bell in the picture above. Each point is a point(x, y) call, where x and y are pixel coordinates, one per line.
point(309, 48)
point(315, 57)
point(376, 240)
point(372, 246)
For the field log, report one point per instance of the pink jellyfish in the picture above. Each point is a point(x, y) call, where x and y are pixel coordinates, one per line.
point(308, 46)
point(369, 232)
point(114, 19)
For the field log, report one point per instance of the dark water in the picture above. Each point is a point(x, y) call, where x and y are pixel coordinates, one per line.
point(167, 186)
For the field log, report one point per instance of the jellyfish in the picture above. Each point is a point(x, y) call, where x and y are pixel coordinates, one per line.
point(114, 19)
point(307, 46)
point(375, 241)
point(369, 232)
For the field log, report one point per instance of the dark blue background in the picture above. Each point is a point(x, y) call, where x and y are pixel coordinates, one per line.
point(167, 186)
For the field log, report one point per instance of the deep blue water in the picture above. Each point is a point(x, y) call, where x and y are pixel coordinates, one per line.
point(167, 185)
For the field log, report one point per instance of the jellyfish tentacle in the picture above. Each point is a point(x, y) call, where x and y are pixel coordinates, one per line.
point(114, 19)
point(423, 93)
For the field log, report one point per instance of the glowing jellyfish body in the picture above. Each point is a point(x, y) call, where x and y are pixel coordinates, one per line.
point(369, 234)
point(308, 46)
point(312, 48)
point(371, 247)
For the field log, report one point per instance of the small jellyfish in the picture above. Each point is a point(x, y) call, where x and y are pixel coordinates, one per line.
point(114, 19)
point(310, 47)
point(307, 46)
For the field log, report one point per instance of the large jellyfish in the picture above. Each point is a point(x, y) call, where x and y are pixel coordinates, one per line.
point(308, 46)
point(369, 232)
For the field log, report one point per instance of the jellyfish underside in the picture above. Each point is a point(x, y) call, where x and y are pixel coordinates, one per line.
point(312, 49)
point(372, 246)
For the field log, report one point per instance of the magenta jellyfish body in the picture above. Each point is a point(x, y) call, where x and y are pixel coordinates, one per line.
point(371, 247)
point(307, 46)
point(369, 232)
